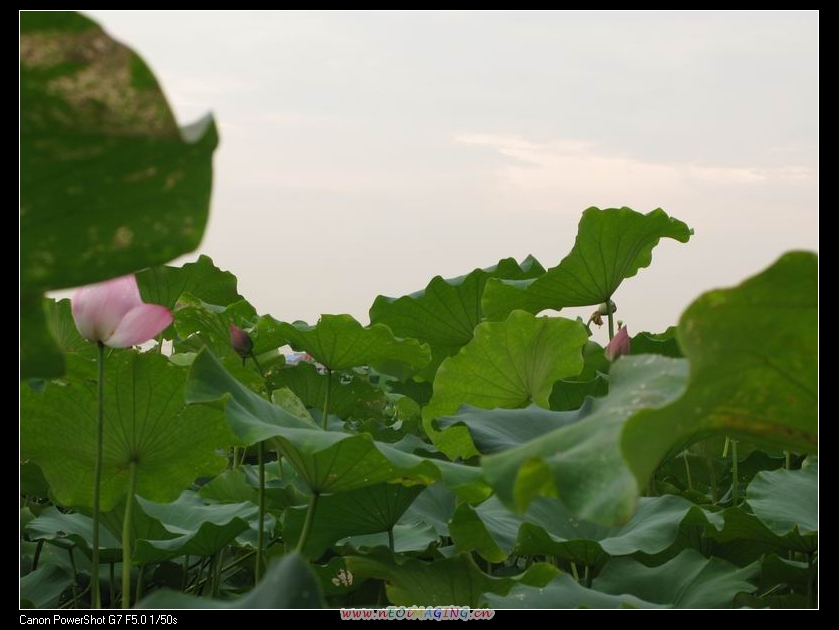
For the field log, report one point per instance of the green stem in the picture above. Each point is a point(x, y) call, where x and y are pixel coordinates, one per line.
point(611, 317)
point(687, 470)
point(96, 595)
point(217, 563)
point(38, 547)
point(787, 460)
point(390, 540)
point(138, 594)
point(260, 533)
point(75, 579)
point(725, 448)
point(326, 396)
point(126, 535)
point(735, 482)
point(574, 572)
point(258, 366)
point(112, 583)
point(588, 576)
point(307, 524)
point(185, 572)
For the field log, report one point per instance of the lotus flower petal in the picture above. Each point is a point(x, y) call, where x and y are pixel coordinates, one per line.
point(140, 324)
point(98, 308)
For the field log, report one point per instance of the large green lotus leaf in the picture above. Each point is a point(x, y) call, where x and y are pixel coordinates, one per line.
point(164, 284)
point(146, 421)
point(496, 430)
point(562, 592)
point(582, 462)
point(445, 313)
point(453, 581)
point(687, 581)
point(288, 583)
point(108, 183)
point(364, 511)
point(787, 500)
point(339, 342)
point(329, 461)
point(510, 364)
point(42, 588)
point(753, 353)
point(548, 529)
point(201, 529)
point(73, 529)
point(612, 245)
point(347, 398)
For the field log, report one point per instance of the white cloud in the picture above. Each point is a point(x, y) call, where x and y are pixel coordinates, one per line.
point(574, 166)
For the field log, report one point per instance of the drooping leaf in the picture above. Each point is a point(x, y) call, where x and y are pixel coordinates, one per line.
point(329, 461)
point(753, 368)
point(562, 592)
point(611, 245)
point(43, 587)
point(108, 183)
point(252, 418)
point(736, 524)
point(288, 583)
point(339, 342)
point(787, 500)
point(202, 279)
point(407, 538)
point(548, 529)
point(201, 529)
point(146, 421)
point(445, 313)
point(508, 364)
point(582, 462)
point(687, 581)
point(73, 529)
point(452, 581)
point(364, 511)
point(434, 506)
point(496, 430)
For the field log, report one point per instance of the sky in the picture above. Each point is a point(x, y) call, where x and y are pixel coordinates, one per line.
point(364, 153)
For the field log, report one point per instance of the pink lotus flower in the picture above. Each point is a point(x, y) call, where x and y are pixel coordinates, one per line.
point(619, 344)
point(113, 313)
point(240, 341)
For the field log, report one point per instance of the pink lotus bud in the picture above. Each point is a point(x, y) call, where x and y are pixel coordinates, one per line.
point(618, 345)
point(113, 313)
point(240, 341)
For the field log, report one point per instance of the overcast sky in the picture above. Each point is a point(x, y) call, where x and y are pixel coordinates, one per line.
point(364, 153)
